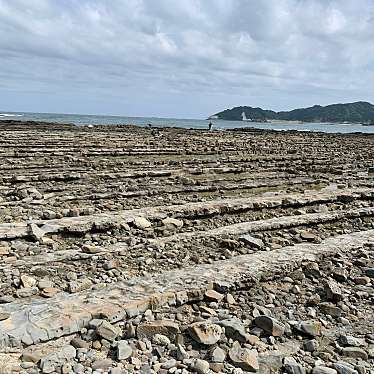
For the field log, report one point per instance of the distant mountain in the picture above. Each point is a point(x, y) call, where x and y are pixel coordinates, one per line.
point(358, 112)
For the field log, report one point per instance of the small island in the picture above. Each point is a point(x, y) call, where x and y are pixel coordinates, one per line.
point(357, 112)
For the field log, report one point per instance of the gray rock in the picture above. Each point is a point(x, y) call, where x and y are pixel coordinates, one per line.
point(310, 345)
point(323, 370)
point(270, 325)
point(218, 355)
point(107, 331)
point(333, 291)
point(311, 328)
point(355, 352)
point(160, 339)
point(102, 364)
point(200, 366)
point(124, 350)
point(344, 368)
point(234, 329)
point(352, 341)
point(251, 241)
point(169, 364)
point(55, 360)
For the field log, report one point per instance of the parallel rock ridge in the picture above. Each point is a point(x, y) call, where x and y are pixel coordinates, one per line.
point(157, 250)
point(41, 320)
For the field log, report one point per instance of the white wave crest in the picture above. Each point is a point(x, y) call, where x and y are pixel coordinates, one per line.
point(10, 115)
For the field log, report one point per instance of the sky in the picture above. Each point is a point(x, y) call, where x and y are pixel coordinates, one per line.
point(183, 58)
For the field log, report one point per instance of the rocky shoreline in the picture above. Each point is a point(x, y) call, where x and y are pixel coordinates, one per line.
point(161, 250)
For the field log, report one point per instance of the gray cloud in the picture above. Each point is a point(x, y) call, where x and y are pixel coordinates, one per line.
point(185, 57)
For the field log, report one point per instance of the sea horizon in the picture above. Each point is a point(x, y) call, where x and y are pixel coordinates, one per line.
point(193, 123)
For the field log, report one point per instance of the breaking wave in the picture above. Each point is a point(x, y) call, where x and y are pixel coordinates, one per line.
point(10, 115)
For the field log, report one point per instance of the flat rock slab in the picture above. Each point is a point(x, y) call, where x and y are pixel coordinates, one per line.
point(85, 224)
point(65, 314)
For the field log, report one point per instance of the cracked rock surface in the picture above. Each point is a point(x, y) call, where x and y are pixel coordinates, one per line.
point(135, 250)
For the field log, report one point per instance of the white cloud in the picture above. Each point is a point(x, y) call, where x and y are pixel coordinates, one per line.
point(275, 53)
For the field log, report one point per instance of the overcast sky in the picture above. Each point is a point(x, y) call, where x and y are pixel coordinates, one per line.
point(183, 58)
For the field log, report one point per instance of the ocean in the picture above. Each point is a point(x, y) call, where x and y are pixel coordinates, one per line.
point(82, 119)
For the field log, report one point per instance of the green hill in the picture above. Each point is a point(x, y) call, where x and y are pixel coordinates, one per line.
point(358, 112)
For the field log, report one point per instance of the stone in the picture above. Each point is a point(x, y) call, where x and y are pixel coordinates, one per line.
point(205, 332)
point(218, 355)
point(91, 249)
point(244, 358)
point(352, 341)
point(36, 232)
point(251, 241)
point(330, 309)
point(102, 364)
point(50, 292)
point(4, 251)
point(213, 295)
point(4, 315)
point(107, 331)
point(169, 364)
point(160, 339)
point(323, 370)
point(344, 368)
point(310, 345)
point(31, 357)
point(355, 352)
point(308, 236)
point(311, 328)
point(45, 283)
point(53, 361)
point(124, 350)
point(294, 369)
point(79, 343)
point(27, 292)
point(369, 272)
point(28, 281)
point(230, 299)
point(270, 325)
point(142, 223)
point(172, 222)
point(200, 366)
point(151, 328)
point(333, 291)
point(235, 330)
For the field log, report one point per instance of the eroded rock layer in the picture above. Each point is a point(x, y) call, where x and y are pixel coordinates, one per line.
point(141, 250)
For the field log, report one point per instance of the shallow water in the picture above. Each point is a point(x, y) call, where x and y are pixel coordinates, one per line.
point(79, 119)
